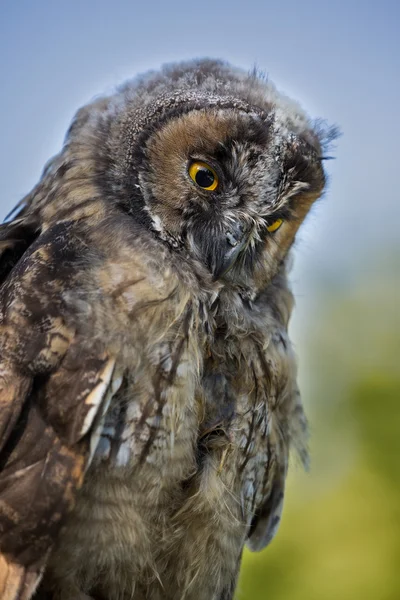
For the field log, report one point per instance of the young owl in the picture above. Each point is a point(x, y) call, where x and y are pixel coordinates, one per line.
point(147, 383)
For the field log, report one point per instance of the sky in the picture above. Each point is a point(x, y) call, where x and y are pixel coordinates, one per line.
point(341, 60)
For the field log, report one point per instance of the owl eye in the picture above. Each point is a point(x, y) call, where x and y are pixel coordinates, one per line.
point(274, 226)
point(204, 175)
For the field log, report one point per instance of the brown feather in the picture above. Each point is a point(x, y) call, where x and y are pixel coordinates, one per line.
point(148, 387)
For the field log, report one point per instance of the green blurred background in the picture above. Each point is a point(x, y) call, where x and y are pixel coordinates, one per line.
point(340, 534)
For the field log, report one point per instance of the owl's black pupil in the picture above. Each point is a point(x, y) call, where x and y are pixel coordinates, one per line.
point(204, 177)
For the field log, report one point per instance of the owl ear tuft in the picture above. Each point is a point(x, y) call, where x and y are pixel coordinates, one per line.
point(326, 135)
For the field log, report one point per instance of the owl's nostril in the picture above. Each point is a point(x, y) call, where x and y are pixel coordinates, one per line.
point(235, 235)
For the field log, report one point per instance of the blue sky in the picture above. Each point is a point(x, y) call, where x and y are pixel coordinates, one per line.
point(341, 60)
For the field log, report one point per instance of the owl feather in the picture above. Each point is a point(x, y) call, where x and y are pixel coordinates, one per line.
point(147, 382)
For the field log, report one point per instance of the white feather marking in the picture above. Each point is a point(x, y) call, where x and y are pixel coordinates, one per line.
point(109, 392)
point(95, 397)
point(123, 454)
point(182, 370)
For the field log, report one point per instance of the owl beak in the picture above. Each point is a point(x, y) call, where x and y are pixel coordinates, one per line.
point(229, 248)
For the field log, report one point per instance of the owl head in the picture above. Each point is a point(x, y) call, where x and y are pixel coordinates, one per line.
point(212, 161)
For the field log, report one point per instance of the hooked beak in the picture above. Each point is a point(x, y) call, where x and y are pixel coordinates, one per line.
point(219, 247)
point(227, 249)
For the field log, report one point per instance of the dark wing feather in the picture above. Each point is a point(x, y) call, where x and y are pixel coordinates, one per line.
point(50, 396)
point(15, 239)
point(266, 521)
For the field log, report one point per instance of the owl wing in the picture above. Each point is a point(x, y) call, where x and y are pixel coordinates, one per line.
point(268, 514)
point(287, 427)
point(266, 521)
point(52, 400)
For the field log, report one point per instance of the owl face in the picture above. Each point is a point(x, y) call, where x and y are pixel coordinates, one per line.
point(216, 164)
point(226, 186)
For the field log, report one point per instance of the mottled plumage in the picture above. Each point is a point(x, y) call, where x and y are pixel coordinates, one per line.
point(147, 383)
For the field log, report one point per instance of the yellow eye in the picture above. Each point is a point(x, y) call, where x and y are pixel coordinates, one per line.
point(275, 225)
point(203, 175)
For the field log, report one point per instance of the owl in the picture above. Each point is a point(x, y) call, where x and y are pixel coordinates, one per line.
point(147, 381)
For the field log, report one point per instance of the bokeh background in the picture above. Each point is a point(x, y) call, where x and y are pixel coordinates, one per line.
point(340, 536)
